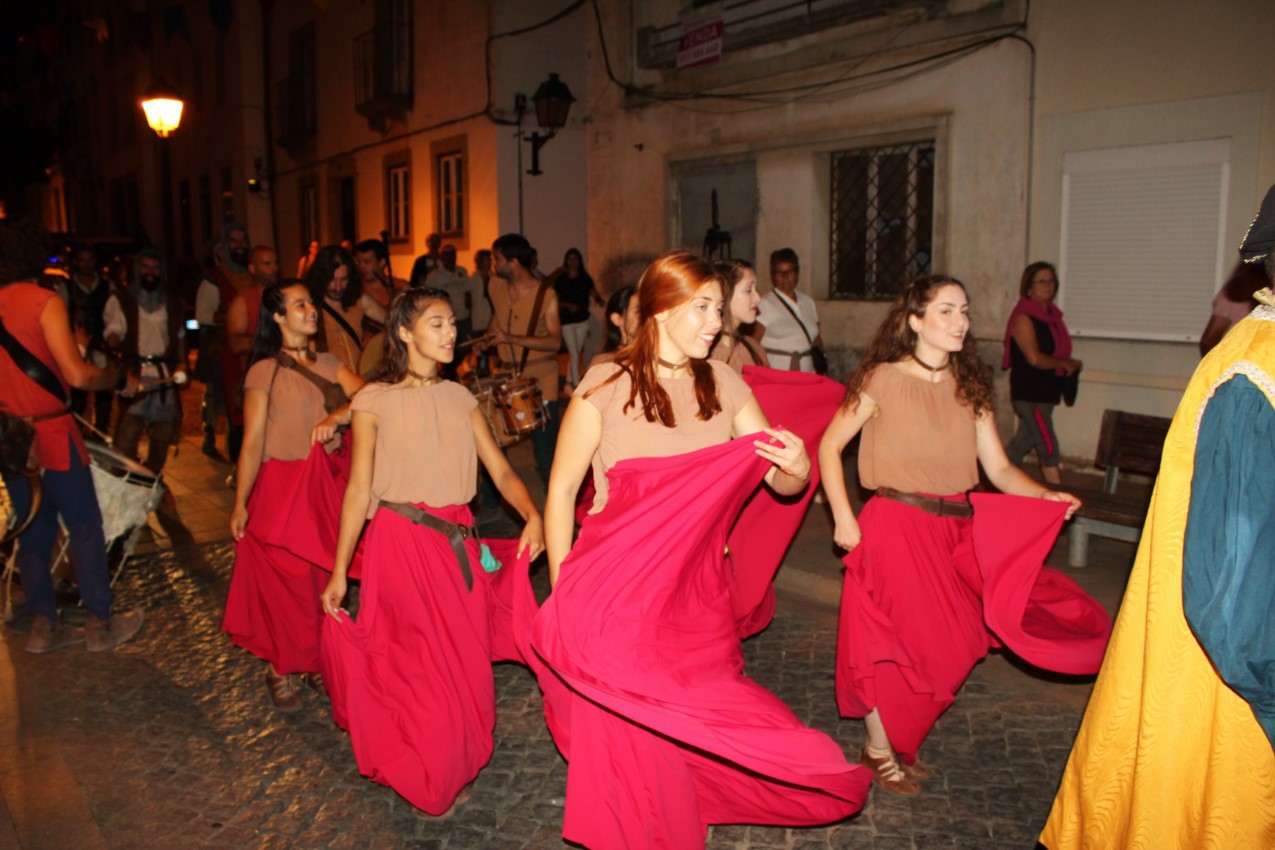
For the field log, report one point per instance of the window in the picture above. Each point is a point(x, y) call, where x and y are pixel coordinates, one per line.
point(398, 199)
point(219, 72)
point(1143, 227)
point(309, 213)
point(227, 196)
point(451, 193)
point(882, 219)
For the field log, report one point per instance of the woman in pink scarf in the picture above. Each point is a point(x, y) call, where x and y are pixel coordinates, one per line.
point(1038, 356)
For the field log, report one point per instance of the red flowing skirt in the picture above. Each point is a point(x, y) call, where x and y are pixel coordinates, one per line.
point(273, 608)
point(804, 404)
point(644, 685)
point(411, 679)
point(309, 522)
point(926, 597)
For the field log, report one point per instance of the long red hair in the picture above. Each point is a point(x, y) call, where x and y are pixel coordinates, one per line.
point(670, 281)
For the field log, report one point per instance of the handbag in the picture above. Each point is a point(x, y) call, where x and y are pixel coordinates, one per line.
point(817, 357)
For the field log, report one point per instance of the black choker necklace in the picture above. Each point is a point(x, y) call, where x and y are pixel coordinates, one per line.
point(302, 352)
point(675, 367)
point(931, 369)
point(426, 380)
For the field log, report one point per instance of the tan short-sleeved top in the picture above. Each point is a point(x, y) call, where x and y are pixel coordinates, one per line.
point(922, 439)
point(629, 434)
point(424, 443)
point(737, 355)
point(295, 405)
point(513, 318)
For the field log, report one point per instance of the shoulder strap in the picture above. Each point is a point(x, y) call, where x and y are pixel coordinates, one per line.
point(345, 326)
point(33, 367)
point(535, 319)
point(784, 301)
point(333, 395)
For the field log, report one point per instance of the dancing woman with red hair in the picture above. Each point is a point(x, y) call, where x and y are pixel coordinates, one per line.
point(931, 571)
point(645, 691)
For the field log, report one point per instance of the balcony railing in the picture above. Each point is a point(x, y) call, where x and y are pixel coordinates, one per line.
point(295, 112)
point(383, 74)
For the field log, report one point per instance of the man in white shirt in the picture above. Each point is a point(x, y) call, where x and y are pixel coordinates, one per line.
point(453, 280)
point(787, 320)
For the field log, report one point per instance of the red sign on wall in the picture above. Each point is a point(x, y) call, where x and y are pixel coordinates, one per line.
point(701, 43)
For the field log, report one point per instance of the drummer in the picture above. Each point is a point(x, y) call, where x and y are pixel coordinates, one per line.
point(525, 331)
point(37, 336)
point(272, 609)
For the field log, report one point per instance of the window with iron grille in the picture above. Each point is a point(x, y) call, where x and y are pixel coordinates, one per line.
point(398, 194)
point(882, 222)
point(451, 193)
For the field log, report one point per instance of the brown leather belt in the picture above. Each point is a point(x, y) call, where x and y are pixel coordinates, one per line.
point(456, 534)
point(930, 504)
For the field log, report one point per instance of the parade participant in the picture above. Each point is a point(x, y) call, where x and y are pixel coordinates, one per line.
point(218, 367)
point(39, 363)
point(292, 398)
point(525, 332)
point(144, 322)
point(86, 293)
point(645, 692)
point(1177, 746)
point(1038, 357)
point(241, 316)
point(411, 679)
point(372, 259)
point(922, 585)
point(740, 290)
point(336, 290)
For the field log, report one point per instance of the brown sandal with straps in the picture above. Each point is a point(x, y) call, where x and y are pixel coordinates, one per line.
point(888, 773)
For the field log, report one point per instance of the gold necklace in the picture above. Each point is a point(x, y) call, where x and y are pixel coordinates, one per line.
point(422, 380)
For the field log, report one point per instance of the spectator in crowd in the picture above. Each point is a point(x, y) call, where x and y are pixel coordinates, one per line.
point(479, 297)
point(454, 280)
point(788, 320)
point(426, 262)
point(576, 292)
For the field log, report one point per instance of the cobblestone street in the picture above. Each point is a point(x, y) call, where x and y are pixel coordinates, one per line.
point(169, 742)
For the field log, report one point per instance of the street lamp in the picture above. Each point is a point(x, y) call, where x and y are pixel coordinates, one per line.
point(163, 109)
point(553, 101)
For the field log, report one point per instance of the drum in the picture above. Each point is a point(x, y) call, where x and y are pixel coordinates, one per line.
point(126, 490)
point(485, 389)
point(522, 406)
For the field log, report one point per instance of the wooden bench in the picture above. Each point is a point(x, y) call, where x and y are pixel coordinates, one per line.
point(1128, 442)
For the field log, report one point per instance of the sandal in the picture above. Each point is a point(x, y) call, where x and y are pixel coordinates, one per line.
point(890, 774)
point(918, 769)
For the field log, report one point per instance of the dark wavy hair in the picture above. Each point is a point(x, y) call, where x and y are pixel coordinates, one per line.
point(668, 282)
point(1025, 283)
point(405, 308)
point(732, 274)
point(895, 341)
point(268, 339)
point(323, 270)
point(617, 303)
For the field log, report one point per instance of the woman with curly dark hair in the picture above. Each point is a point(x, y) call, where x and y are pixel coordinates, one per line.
point(337, 290)
point(917, 601)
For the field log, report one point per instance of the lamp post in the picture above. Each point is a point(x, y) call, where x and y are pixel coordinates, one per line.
point(163, 111)
point(553, 102)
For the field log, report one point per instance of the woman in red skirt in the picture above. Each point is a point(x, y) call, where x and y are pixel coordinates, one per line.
point(645, 691)
point(924, 584)
point(292, 398)
point(411, 679)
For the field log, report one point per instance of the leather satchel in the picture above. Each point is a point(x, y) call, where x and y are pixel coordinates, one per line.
point(333, 396)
